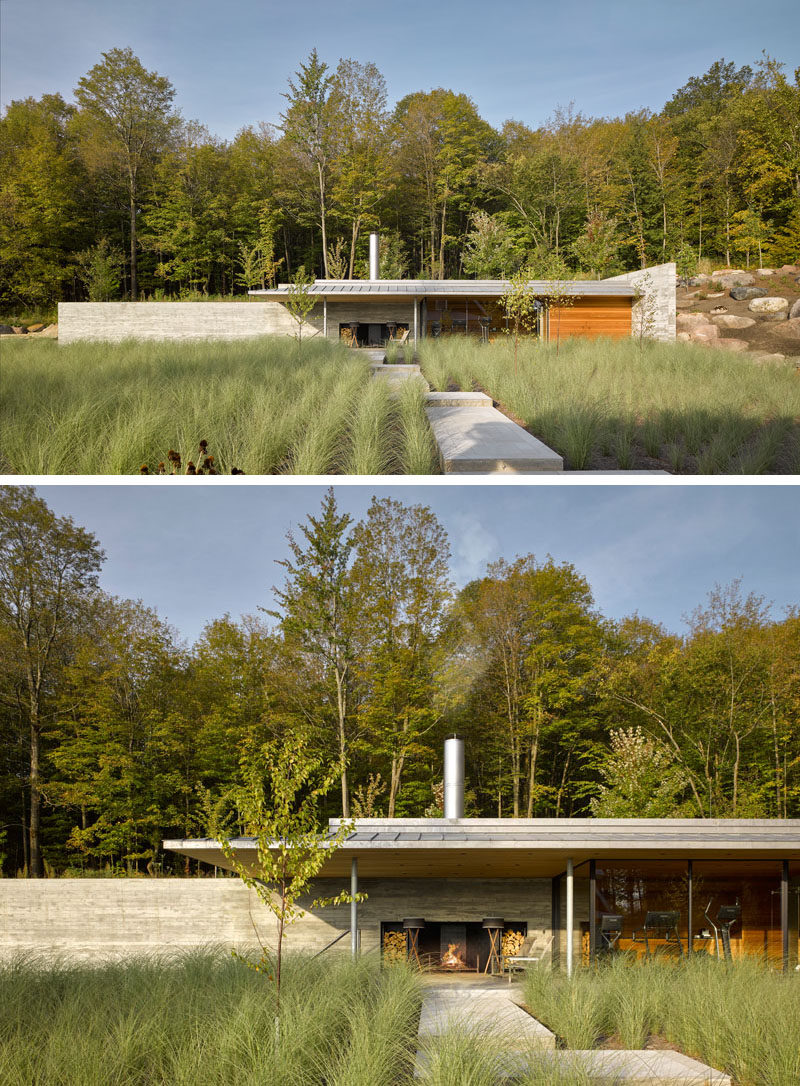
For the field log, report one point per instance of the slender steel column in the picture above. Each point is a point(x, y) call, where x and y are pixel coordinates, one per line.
point(570, 914)
point(325, 317)
point(689, 910)
point(354, 908)
point(592, 910)
point(416, 321)
point(785, 914)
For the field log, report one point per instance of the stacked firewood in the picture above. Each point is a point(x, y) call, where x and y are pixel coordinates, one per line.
point(394, 946)
point(511, 943)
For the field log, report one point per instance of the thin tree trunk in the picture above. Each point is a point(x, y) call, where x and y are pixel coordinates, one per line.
point(26, 859)
point(35, 869)
point(323, 220)
point(341, 702)
point(134, 279)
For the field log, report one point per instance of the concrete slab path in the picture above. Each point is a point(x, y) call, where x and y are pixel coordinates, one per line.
point(486, 1006)
point(481, 440)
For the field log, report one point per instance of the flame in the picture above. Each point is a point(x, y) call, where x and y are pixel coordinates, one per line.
point(452, 959)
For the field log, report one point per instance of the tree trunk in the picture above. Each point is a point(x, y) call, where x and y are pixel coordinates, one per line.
point(35, 869)
point(26, 857)
point(134, 279)
point(341, 702)
point(323, 220)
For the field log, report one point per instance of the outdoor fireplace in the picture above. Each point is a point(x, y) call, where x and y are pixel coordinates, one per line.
point(453, 942)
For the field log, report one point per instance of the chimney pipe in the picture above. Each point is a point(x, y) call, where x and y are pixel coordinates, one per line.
point(454, 777)
point(374, 257)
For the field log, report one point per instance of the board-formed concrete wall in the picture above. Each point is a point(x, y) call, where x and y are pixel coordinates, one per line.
point(658, 284)
point(98, 918)
point(111, 322)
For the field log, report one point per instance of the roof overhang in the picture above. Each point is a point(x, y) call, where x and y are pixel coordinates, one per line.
point(528, 848)
point(448, 288)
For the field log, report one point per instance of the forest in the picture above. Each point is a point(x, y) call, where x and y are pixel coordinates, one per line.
point(114, 733)
point(115, 195)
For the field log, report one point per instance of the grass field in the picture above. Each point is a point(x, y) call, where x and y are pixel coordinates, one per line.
point(743, 1018)
point(609, 404)
point(202, 1019)
point(264, 408)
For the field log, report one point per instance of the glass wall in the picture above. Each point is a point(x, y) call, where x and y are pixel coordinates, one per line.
point(740, 899)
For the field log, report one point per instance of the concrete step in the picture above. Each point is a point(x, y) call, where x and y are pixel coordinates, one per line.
point(482, 441)
point(642, 1066)
point(392, 371)
point(450, 1008)
point(459, 399)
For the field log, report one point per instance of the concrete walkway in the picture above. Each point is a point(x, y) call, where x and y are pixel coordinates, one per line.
point(486, 1005)
point(472, 436)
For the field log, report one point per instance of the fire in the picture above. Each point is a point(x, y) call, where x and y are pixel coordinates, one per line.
point(452, 959)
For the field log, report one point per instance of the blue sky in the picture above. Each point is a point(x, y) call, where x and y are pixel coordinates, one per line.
point(230, 62)
point(196, 552)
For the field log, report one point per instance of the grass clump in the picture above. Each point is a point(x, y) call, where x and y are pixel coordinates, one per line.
point(740, 1017)
point(204, 1018)
point(263, 406)
point(605, 404)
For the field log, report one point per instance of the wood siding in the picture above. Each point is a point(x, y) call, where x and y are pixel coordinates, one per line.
point(592, 318)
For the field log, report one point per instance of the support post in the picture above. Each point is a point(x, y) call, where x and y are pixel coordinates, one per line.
point(416, 322)
point(690, 909)
point(570, 914)
point(325, 317)
point(354, 907)
point(785, 915)
point(592, 910)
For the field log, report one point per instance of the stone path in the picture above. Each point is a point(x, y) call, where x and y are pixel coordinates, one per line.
point(485, 1005)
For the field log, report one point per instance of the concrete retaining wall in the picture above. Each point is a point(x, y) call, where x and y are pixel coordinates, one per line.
point(95, 918)
point(111, 322)
point(658, 283)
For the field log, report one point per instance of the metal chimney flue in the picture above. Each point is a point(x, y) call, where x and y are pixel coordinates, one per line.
point(374, 257)
point(454, 777)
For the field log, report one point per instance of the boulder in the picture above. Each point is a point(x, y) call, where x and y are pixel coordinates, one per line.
point(704, 333)
point(730, 320)
point(769, 307)
point(690, 320)
point(6, 330)
point(741, 294)
point(18, 330)
point(765, 272)
point(734, 279)
point(789, 269)
point(50, 332)
point(35, 327)
point(789, 329)
point(716, 294)
point(699, 280)
point(682, 337)
point(730, 344)
point(795, 310)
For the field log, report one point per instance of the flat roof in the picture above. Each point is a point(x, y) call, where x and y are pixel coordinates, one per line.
point(527, 847)
point(448, 288)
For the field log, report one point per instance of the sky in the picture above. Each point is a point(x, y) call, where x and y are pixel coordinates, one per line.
point(230, 63)
point(196, 552)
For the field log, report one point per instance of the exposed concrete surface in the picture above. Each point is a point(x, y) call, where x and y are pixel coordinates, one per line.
point(459, 399)
point(658, 283)
point(483, 441)
point(443, 1007)
point(483, 1005)
point(112, 322)
point(643, 1066)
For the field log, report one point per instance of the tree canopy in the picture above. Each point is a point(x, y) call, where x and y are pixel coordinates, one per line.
point(114, 734)
point(118, 171)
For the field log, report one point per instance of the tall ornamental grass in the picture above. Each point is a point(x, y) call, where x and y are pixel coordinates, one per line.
point(611, 404)
point(263, 405)
point(204, 1019)
point(740, 1017)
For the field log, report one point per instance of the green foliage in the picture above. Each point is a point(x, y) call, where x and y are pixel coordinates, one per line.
point(597, 248)
point(300, 301)
point(640, 778)
point(100, 269)
point(278, 803)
